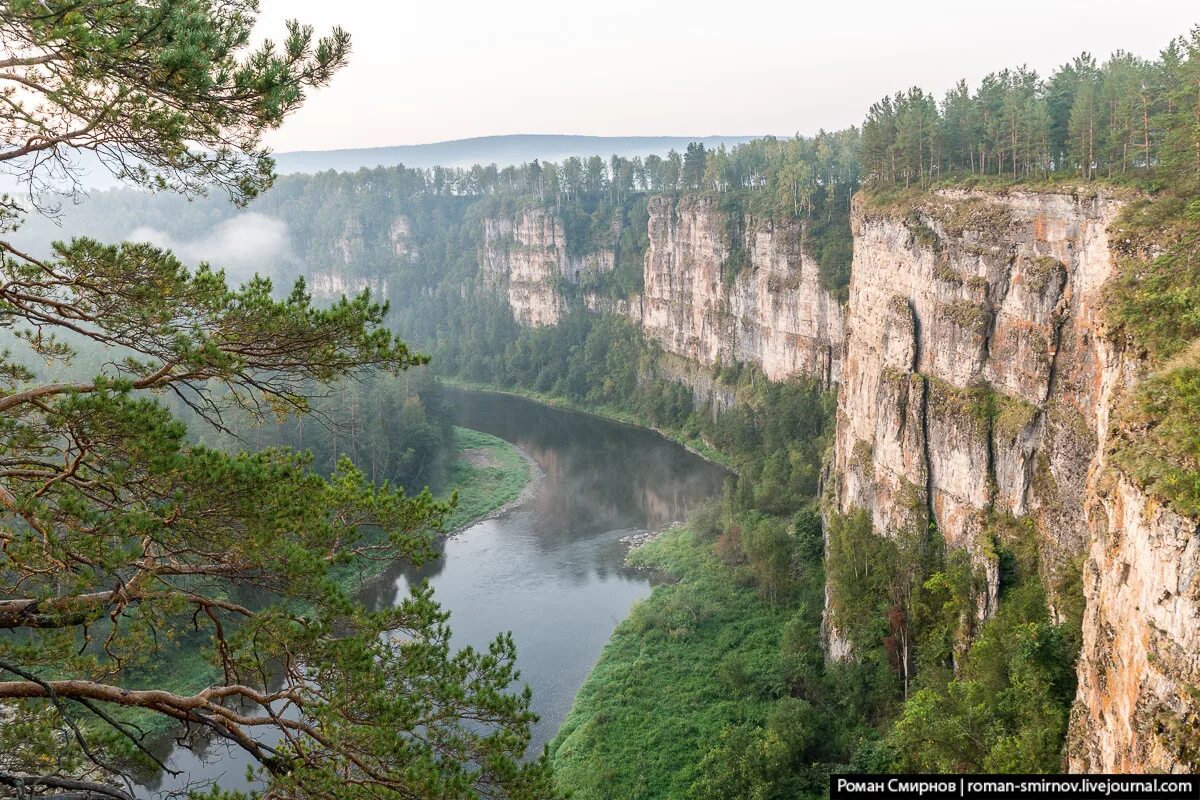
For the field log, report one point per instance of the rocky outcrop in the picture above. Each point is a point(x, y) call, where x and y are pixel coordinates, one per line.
point(348, 261)
point(972, 367)
point(768, 309)
point(400, 238)
point(753, 296)
point(527, 257)
point(1140, 664)
point(978, 385)
point(326, 286)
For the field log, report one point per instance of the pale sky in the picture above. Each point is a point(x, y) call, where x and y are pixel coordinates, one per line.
point(431, 71)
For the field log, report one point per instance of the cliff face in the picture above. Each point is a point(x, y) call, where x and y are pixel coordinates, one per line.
point(978, 386)
point(772, 311)
point(1141, 635)
point(528, 258)
point(350, 251)
point(332, 285)
point(525, 257)
point(972, 366)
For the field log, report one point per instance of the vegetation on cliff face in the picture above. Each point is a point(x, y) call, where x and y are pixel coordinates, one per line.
point(990, 697)
point(716, 686)
point(1128, 122)
point(1131, 129)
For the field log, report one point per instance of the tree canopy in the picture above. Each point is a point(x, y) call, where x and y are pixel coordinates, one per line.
point(120, 536)
point(1121, 119)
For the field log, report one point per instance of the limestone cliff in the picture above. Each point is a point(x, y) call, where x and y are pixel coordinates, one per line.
point(972, 368)
point(346, 263)
point(978, 384)
point(769, 309)
point(1141, 636)
point(332, 285)
point(527, 256)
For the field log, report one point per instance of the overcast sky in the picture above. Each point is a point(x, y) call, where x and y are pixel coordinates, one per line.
point(431, 71)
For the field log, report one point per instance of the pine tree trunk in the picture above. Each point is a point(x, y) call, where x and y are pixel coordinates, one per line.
point(1146, 133)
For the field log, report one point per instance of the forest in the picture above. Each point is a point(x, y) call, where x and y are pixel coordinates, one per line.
point(927, 689)
point(1126, 119)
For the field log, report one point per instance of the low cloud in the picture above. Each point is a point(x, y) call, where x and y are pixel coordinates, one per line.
point(242, 246)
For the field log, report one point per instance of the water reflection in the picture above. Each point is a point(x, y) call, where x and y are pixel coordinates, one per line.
point(553, 571)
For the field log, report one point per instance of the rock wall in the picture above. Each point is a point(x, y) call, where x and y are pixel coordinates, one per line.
point(525, 257)
point(344, 274)
point(331, 285)
point(528, 257)
point(1140, 664)
point(978, 385)
point(769, 309)
point(972, 372)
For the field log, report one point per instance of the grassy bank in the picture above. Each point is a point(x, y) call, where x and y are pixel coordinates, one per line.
point(489, 473)
point(697, 658)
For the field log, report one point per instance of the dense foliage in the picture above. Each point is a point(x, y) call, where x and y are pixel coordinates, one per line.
point(1124, 118)
point(990, 697)
point(122, 536)
point(715, 687)
point(671, 709)
point(395, 428)
point(344, 221)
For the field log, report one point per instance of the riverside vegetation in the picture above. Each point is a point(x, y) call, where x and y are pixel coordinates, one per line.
point(718, 685)
point(121, 535)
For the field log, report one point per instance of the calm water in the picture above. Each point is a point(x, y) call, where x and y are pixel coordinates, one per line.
point(552, 571)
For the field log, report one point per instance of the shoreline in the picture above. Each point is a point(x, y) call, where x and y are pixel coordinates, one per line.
point(356, 581)
point(534, 484)
point(710, 454)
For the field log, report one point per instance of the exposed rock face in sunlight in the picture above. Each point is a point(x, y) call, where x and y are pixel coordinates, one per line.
point(978, 381)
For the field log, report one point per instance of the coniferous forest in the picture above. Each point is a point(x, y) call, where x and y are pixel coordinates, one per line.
point(192, 464)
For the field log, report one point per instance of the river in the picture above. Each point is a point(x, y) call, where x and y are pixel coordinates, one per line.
point(551, 571)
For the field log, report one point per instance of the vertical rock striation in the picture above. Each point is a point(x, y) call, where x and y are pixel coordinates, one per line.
point(975, 384)
point(770, 311)
point(978, 382)
point(1140, 664)
point(972, 365)
point(527, 257)
point(767, 307)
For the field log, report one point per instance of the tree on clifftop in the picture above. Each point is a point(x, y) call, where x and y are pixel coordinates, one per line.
point(118, 537)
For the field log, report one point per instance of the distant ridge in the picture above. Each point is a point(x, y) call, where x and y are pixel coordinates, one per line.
point(500, 150)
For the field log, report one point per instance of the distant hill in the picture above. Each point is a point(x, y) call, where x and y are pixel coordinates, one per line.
point(500, 150)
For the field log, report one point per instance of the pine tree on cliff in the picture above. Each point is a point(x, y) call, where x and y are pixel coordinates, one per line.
point(120, 537)
point(693, 165)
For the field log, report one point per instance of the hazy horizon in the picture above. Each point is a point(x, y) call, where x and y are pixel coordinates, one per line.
point(431, 73)
point(520, 134)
